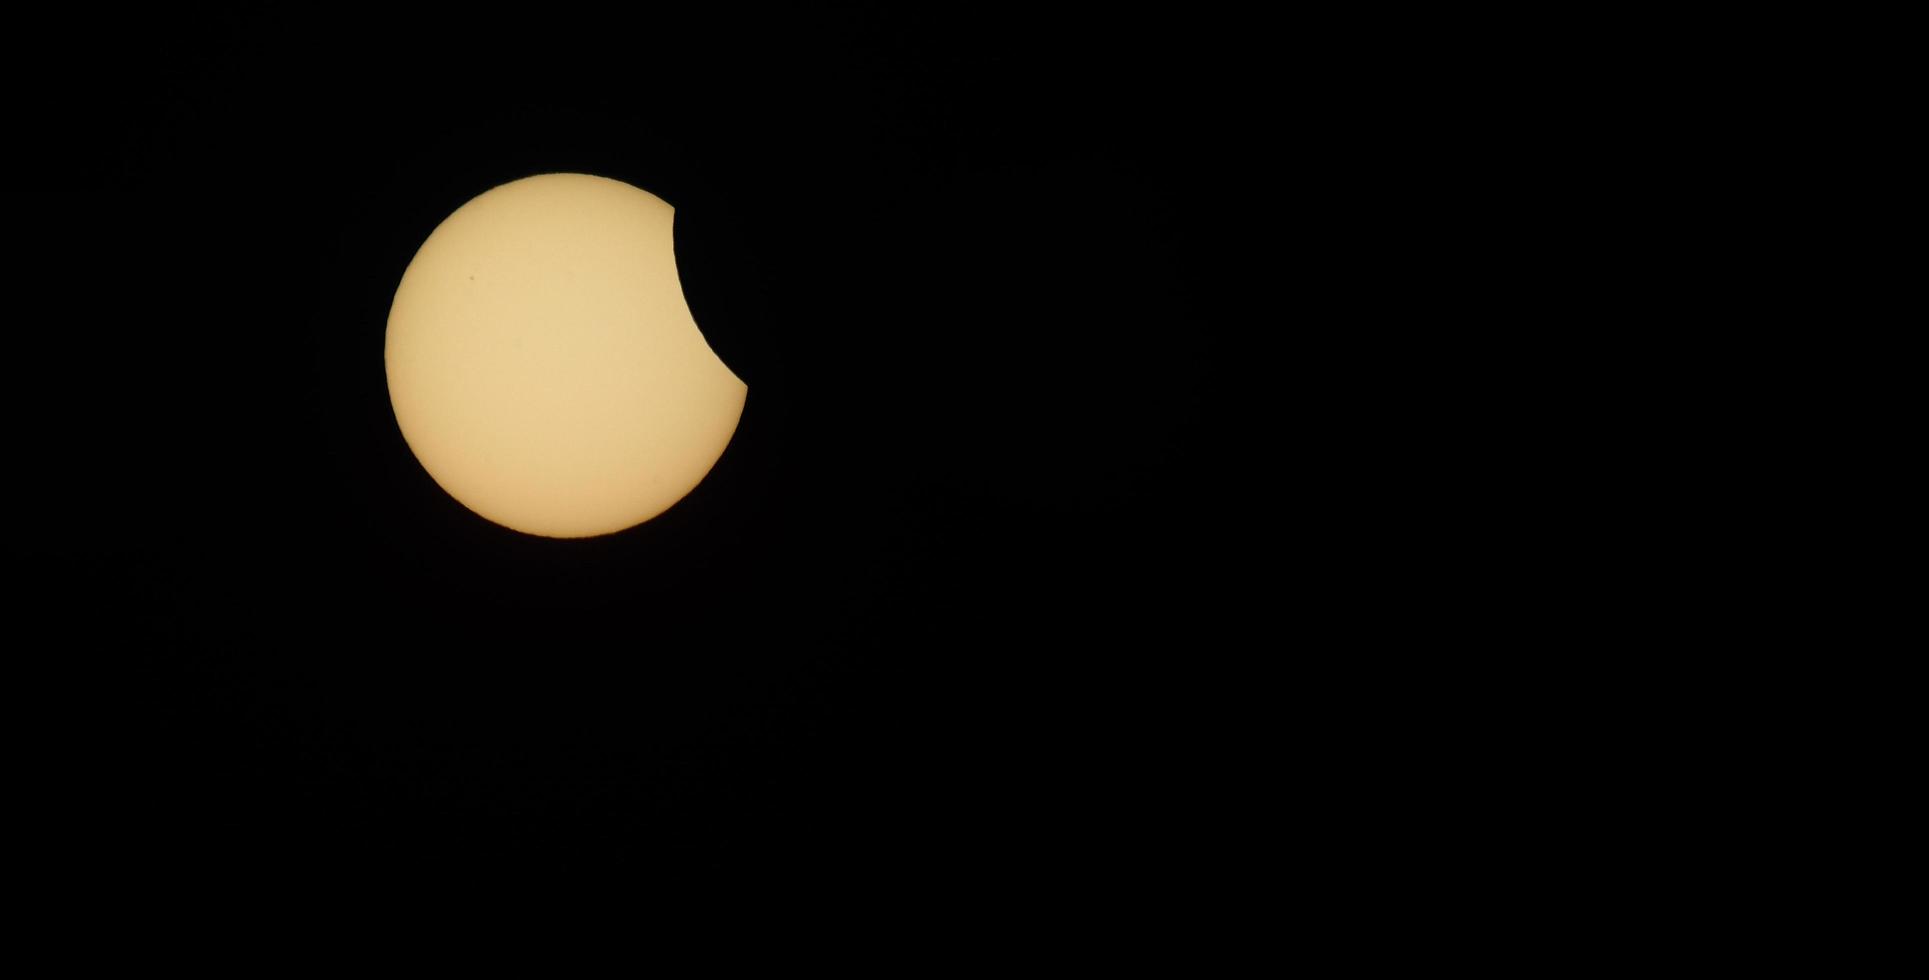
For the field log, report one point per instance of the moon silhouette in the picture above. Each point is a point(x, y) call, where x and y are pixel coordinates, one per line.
point(544, 367)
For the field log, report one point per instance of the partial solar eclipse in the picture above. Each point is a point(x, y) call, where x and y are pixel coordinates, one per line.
point(542, 363)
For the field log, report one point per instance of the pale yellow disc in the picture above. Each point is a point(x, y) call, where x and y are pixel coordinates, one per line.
point(544, 367)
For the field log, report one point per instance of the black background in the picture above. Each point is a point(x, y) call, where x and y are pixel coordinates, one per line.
point(950, 606)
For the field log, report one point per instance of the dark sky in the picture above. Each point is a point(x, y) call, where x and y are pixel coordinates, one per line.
point(947, 605)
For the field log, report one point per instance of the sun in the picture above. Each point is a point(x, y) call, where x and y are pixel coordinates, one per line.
point(544, 367)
